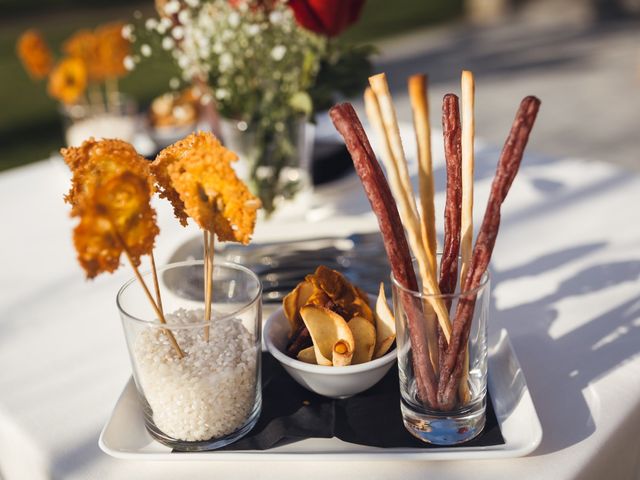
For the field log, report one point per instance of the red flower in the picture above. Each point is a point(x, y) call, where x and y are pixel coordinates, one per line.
point(326, 17)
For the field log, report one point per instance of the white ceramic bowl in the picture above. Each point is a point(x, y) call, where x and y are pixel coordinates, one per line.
point(335, 382)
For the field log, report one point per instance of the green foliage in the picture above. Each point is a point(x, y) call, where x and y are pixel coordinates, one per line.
point(343, 73)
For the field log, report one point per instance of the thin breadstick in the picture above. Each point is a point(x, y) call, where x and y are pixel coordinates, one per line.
point(420, 106)
point(382, 115)
point(466, 241)
point(468, 132)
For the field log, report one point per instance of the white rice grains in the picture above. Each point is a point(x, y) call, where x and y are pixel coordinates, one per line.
point(211, 391)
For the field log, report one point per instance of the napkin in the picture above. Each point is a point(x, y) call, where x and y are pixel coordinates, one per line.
point(291, 413)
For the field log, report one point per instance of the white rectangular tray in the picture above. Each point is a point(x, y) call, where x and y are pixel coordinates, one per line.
point(124, 436)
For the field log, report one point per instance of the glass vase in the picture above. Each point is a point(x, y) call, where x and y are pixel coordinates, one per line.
point(275, 161)
point(205, 393)
point(113, 119)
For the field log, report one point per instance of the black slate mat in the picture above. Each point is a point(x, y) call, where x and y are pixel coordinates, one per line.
point(291, 413)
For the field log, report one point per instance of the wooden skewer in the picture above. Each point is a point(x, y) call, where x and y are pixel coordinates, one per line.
point(156, 284)
point(159, 313)
point(422, 127)
point(205, 259)
point(466, 241)
point(382, 115)
point(208, 268)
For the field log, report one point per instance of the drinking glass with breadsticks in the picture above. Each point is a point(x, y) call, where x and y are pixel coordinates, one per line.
point(440, 301)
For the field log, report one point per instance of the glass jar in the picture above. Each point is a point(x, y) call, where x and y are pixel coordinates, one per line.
point(113, 119)
point(275, 162)
point(211, 396)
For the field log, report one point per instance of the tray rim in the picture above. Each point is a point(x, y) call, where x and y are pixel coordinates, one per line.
point(513, 447)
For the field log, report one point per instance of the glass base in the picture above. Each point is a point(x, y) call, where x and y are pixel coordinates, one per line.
point(445, 428)
point(204, 445)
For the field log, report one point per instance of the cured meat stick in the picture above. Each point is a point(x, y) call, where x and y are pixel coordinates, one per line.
point(383, 205)
point(507, 169)
point(453, 204)
point(420, 107)
point(451, 246)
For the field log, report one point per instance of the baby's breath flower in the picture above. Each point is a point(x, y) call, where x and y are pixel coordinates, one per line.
point(234, 19)
point(225, 61)
point(172, 7)
point(184, 16)
point(168, 43)
point(252, 29)
point(278, 52)
point(165, 23)
point(145, 50)
point(177, 32)
point(127, 32)
point(174, 83)
point(151, 24)
point(183, 62)
point(275, 17)
point(129, 63)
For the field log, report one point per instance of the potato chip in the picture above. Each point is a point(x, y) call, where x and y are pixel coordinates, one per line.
point(359, 308)
point(385, 325)
point(307, 355)
point(364, 336)
point(326, 329)
point(294, 301)
point(306, 289)
point(290, 307)
point(318, 297)
point(334, 284)
point(342, 354)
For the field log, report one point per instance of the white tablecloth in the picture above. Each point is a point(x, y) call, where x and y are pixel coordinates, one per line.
point(566, 287)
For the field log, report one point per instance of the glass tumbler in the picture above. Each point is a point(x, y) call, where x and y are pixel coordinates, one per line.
point(463, 418)
point(208, 395)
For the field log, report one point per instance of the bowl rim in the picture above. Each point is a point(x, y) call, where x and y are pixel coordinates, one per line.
point(388, 357)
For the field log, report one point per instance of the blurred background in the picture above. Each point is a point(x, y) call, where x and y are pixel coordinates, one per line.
point(581, 57)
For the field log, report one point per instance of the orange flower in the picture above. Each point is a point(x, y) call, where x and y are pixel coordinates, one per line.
point(68, 80)
point(112, 48)
point(34, 54)
point(83, 45)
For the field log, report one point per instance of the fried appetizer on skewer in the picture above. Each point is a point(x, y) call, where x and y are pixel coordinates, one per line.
point(96, 162)
point(117, 215)
point(196, 176)
point(111, 194)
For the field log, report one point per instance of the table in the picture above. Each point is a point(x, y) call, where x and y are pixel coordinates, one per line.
point(566, 287)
